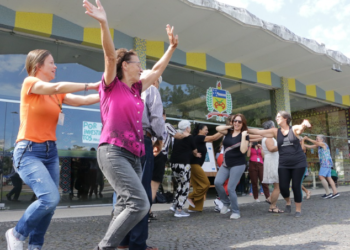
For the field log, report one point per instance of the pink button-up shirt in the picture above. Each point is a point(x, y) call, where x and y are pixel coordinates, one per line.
point(121, 115)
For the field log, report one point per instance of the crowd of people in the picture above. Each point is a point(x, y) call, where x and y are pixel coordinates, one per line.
point(134, 144)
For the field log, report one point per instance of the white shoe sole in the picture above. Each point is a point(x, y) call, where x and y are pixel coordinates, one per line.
point(7, 239)
point(235, 218)
point(180, 215)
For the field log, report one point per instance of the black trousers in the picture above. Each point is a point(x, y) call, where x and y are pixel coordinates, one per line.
point(296, 175)
point(17, 186)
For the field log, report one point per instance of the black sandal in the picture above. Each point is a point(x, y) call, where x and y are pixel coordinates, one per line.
point(275, 210)
point(152, 216)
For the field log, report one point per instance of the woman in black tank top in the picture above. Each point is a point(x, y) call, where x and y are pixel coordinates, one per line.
point(292, 160)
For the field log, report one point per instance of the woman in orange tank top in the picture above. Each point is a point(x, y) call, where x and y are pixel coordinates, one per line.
point(35, 155)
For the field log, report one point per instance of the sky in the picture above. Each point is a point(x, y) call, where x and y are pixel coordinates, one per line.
point(325, 21)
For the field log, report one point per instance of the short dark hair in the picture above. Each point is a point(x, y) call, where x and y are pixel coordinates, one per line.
point(285, 115)
point(164, 113)
point(199, 126)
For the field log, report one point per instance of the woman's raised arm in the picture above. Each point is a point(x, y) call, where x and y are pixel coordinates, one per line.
point(99, 14)
point(160, 66)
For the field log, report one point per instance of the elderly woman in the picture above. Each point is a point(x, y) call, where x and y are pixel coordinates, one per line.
point(326, 164)
point(122, 137)
point(292, 160)
point(180, 165)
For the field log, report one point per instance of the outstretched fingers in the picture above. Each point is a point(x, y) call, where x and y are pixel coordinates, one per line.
point(173, 40)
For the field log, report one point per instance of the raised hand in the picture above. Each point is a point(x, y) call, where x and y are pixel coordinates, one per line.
point(306, 123)
point(96, 12)
point(173, 40)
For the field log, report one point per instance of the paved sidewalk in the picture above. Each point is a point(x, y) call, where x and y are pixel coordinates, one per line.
point(324, 225)
point(100, 210)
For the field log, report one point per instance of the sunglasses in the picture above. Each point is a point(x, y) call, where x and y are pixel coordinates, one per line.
point(239, 122)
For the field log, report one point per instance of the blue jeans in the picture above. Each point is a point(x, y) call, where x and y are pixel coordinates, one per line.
point(137, 237)
point(123, 171)
point(38, 166)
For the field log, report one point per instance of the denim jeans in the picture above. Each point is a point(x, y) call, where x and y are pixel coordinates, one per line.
point(38, 166)
point(234, 174)
point(137, 237)
point(123, 171)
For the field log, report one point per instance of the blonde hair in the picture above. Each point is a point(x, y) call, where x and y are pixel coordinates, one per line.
point(35, 59)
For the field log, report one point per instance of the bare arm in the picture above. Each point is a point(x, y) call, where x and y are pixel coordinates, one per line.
point(262, 151)
point(196, 154)
point(302, 143)
point(78, 100)
point(99, 14)
point(249, 149)
point(179, 136)
point(211, 138)
point(244, 143)
point(316, 143)
point(47, 88)
point(271, 145)
point(269, 133)
point(223, 129)
point(299, 129)
point(160, 66)
point(310, 146)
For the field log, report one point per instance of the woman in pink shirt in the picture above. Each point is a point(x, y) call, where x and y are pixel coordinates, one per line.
point(256, 170)
point(121, 142)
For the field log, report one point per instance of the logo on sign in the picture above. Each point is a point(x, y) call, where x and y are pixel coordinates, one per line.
point(219, 103)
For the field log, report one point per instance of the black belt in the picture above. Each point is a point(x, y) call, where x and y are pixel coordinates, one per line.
point(146, 133)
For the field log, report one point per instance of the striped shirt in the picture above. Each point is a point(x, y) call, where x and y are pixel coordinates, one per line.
point(170, 131)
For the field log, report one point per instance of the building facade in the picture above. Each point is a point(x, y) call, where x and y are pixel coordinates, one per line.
point(196, 86)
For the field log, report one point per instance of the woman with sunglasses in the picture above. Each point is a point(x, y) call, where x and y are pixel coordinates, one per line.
point(235, 146)
point(122, 137)
point(292, 160)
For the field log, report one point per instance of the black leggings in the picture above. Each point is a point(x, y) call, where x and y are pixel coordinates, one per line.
point(297, 177)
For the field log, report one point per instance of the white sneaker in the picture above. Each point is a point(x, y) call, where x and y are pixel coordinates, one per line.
point(189, 201)
point(257, 200)
point(172, 208)
point(12, 242)
point(181, 213)
point(224, 210)
point(192, 211)
point(235, 216)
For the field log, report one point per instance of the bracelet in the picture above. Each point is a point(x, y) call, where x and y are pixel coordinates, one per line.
point(86, 85)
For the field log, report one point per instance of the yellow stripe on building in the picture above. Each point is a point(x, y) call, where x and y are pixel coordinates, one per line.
point(346, 100)
point(311, 90)
point(291, 85)
point(154, 49)
point(197, 61)
point(264, 77)
point(34, 23)
point(233, 70)
point(92, 37)
point(330, 96)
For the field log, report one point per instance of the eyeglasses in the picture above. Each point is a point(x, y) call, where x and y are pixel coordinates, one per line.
point(239, 122)
point(137, 63)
